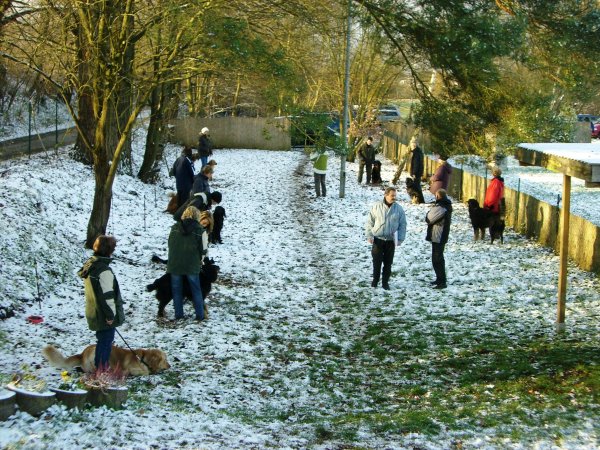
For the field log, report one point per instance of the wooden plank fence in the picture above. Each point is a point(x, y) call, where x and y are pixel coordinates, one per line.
point(527, 215)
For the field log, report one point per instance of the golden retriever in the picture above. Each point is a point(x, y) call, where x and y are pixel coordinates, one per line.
point(144, 362)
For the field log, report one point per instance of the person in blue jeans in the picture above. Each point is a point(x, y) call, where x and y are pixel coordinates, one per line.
point(103, 302)
point(186, 249)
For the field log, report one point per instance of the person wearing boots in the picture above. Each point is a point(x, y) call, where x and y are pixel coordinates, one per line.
point(438, 220)
point(385, 229)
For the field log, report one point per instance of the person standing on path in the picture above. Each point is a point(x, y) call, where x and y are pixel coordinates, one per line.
point(202, 180)
point(319, 159)
point(385, 229)
point(184, 175)
point(205, 146)
point(186, 251)
point(366, 157)
point(416, 168)
point(438, 220)
point(103, 302)
point(441, 177)
point(494, 194)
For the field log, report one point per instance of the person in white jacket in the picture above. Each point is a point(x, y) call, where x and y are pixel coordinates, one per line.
point(385, 229)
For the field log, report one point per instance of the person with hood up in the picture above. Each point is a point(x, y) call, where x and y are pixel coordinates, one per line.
point(186, 250)
point(441, 177)
point(494, 193)
point(438, 220)
point(103, 302)
point(205, 146)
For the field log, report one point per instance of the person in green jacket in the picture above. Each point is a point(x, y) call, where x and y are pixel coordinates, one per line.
point(319, 159)
point(103, 302)
point(186, 249)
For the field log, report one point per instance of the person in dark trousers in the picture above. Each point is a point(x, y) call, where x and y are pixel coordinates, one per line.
point(385, 229)
point(319, 159)
point(438, 220)
point(103, 302)
point(186, 250)
point(416, 168)
point(441, 177)
point(183, 169)
point(202, 180)
point(205, 146)
point(366, 156)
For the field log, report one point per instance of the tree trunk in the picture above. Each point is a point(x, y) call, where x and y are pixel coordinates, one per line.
point(154, 139)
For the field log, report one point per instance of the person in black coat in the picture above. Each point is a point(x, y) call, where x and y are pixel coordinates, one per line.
point(416, 169)
point(200, 200)
point(183, 168)
point(438, 221)
point(205, 146)
point(202, 180)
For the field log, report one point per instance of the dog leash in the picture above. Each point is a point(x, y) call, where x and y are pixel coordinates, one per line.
point(136, 355)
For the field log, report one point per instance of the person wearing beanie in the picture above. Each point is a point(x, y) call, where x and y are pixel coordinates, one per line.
point(205, 146)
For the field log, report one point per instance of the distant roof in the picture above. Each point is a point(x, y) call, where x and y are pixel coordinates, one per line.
point(574, 159)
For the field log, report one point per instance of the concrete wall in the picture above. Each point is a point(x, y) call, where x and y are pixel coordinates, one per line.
point(527, 215)
point(234, 132)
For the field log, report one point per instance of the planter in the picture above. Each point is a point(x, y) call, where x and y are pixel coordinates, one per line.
point(34, 403)
point(71, 399)
point(7, 404)
point(111, 397)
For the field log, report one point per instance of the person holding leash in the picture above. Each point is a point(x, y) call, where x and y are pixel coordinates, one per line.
point(385, 229)
point(103, 302)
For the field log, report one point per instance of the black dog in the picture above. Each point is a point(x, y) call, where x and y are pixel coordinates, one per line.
point(376, 172)
point(218, 217)
point(162, 285)
point(482, 218)
point(414, 191)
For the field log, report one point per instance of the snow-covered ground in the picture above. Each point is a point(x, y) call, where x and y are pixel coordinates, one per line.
point(294, 297)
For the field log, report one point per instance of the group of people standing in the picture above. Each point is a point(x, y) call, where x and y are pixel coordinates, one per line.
point(386, 223)
point(188, 245)
point(189, 236)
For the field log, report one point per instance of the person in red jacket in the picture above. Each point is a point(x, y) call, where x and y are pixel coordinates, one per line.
point(495, 192)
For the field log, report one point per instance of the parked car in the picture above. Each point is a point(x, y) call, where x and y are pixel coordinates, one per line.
point(596, 131)
point(388, 113)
